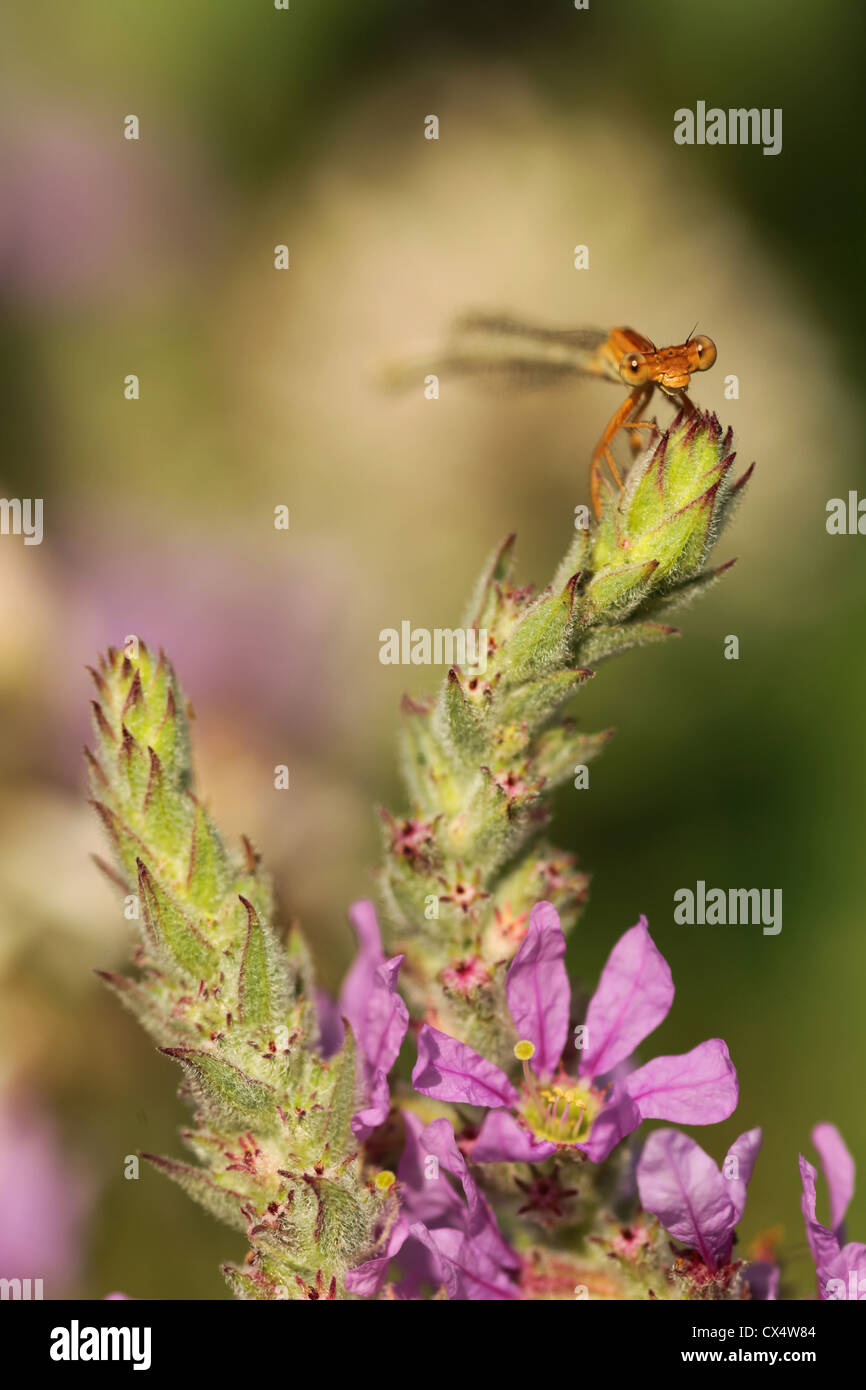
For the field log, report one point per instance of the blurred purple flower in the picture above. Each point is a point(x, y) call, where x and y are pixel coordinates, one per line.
point(553, 1110)
point(44, 1201)
point(81, 207)
point(840, 1269)
point(695, 1202)
point(244, 631)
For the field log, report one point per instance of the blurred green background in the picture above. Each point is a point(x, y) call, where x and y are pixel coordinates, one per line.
point(156, 258)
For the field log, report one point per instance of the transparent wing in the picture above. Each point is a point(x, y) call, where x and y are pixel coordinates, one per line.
point(504, 350)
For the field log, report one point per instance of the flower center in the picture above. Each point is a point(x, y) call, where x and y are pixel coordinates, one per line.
point(561, 1113)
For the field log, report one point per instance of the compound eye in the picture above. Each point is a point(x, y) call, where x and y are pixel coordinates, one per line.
point(634, 368)
point(706, 350)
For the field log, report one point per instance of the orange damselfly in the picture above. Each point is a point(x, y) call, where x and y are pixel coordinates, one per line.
point(486, 343)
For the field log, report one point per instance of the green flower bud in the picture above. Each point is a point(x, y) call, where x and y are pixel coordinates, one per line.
point(653, 541)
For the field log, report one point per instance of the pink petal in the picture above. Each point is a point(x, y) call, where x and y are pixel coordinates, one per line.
point(634, 994)
point(355, 992)
point(367, 1279)
point(838, 1168)
point(501, 1139)
point(618, 1118)
point(537, 988)
point(693, 1088)
point(376, 1113)
point(823, 1244)
point(331, 1030)
point(848, 1269)
point(449, 1070)
point(467, 1272)
point(428, 1199)
point(745, 1150)
point(386, 1019)
point(479, 1221)
point(681, 1185)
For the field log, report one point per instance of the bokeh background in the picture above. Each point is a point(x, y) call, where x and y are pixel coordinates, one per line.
point(259, 388)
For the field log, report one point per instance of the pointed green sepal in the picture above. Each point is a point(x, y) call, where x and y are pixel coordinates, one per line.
point(541, 637)
point(222, 1202)
point(465, 729)
point(482, 607)
point(342, 1100)
point(208, 875)
point(147, 1007)
point(222, 1087)
point(262, 991)
point(601, 642)
point(171, 931)
point(617, 591)
point(536, 701)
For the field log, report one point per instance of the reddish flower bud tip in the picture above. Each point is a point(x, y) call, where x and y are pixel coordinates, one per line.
point(97, 681)
point(102, 723)
point(110, 873)
point(410, 706)
point(251, 856)
point(741, 482)
point(95, 766)
point(135, 695)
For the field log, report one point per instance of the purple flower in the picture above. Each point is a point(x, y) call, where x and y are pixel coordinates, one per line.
point(439, 1238)
point(377, 1015)
point(840, 1269)
point(695, 1202)
point(552, 1110)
